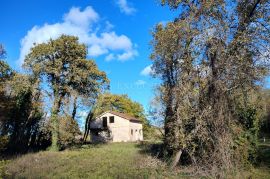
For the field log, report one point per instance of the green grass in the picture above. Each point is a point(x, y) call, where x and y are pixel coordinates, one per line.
point(118, 160)
point(262, 170)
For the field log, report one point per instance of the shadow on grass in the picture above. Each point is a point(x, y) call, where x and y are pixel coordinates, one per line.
point(9, 155)
point(86, 145)
point(75, 146)
point(153, 149)
point(264, 154)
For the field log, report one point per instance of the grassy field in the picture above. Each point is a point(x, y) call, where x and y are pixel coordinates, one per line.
point(119, 160)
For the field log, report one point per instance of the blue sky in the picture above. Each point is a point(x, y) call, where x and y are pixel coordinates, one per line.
point(117, 33)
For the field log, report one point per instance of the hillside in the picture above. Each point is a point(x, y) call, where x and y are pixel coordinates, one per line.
point(119, 160)
point(122, 160)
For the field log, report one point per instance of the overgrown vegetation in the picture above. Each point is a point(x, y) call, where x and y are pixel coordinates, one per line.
point(118, 160)
point(62, 64)
point(39, 109)
point(211, 60)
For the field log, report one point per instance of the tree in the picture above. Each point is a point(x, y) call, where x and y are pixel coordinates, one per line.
point(210, 59)
point(5, 70)
point(265, 106)
point(20, 109)
point(25, 114)
point(2, 51)
point(119, 103)
point(62, 62)
point(68, 130)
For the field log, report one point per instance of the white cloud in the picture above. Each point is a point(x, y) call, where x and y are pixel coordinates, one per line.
point(125, 7)
point(147, 71)
point(127, 55)
point(80, 23)
point(115, 42)
point(140, 82)
point(110, 57)
point(81, 18)
point(109, 26)
point(96, 50)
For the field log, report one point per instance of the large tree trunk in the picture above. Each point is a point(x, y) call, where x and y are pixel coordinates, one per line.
point(170, 120)
point(55, 122)
point(168, 127)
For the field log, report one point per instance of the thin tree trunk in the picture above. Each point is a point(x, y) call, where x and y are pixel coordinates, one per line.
point(74, 108)
point(176, 158)
point(87, 125)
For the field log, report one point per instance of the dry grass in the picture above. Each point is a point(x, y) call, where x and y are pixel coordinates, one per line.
point(122, 160)
point(119, 160)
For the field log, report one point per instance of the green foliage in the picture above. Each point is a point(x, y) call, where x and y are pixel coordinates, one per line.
point(3, 164)
point(248, 118)
point(248, 138)
point(120, 103)
point(2, 52)
point(20, 109)
point(62, 62)
point(5, 71)
point(172, 3)
point(211, 66)
point(3, 143)
point(123, 104)
point(264, 122)
point(68, 130)
point(23, 114)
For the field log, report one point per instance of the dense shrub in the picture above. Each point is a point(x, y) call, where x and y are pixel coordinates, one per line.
point(68, 130)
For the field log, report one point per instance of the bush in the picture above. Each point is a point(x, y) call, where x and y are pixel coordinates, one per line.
point(68, 130)
point(3, 164)
point(3, 143)
point(246, 142)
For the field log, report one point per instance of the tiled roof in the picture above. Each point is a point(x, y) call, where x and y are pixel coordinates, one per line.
point(125, 116)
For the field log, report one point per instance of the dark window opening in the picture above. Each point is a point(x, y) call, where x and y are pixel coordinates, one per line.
point(111, 119)
point(131, 132)
point(105, 122)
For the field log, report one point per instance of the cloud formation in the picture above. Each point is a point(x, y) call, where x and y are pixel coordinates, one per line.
point(125, 7)
point(147, 71)
point(140, 82)
point(81, 18)
point(81, 23)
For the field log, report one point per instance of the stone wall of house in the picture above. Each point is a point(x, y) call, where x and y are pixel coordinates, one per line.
point(136, 132)
point(120, 129)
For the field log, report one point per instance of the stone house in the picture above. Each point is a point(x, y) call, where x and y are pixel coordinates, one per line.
point(113, 126)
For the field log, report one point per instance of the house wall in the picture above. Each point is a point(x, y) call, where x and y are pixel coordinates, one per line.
point(119, 129)
point(137, 133)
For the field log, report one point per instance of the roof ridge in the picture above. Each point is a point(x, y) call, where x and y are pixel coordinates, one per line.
point(124, 115)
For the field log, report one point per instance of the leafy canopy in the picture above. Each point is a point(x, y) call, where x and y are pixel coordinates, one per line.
point(63, 63)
